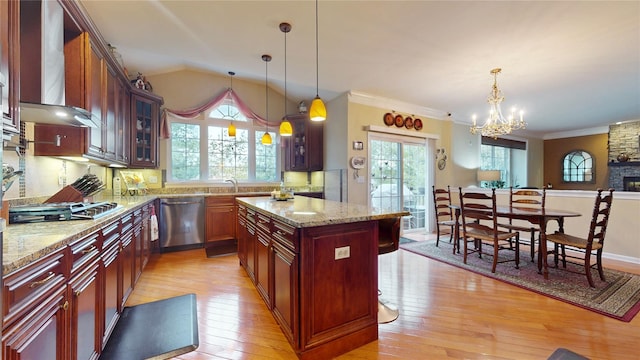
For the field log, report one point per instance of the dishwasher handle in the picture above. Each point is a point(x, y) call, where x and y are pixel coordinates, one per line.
point(181, 202)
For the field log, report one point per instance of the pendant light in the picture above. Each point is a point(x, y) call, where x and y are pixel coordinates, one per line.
point(317, 112)
point(232, 128)
point(285, 126)
point(266, 138)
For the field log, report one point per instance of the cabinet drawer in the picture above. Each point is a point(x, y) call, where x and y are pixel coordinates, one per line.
point(251, 216)
point(127, 221)
point(220, 200)
point(28, 286)
point(110, 234)
point(263, 222)
point(84, 251)
point(285, 234)
point(242, 211)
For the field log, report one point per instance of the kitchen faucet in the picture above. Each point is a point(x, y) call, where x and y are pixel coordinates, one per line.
point(234, 182)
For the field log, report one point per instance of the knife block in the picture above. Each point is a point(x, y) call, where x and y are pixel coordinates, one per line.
point(66, 194)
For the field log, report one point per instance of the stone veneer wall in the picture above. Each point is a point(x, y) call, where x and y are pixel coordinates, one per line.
point(623, 138)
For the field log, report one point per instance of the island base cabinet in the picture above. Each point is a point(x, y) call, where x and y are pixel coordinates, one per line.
point(285, 297)
point(338, 288)
point(321, 282)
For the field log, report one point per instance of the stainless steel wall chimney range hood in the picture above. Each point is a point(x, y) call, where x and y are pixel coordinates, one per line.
point(42, 95)
point(56, 114)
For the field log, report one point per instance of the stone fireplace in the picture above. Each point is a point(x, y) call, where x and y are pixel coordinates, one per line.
point(624, 138)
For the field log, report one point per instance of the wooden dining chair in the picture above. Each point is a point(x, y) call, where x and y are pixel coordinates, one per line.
point(590, 246)
point(443, 212)
point(480, 225)
point(526, 198)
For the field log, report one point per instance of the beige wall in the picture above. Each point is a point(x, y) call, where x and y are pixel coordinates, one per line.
point(556, 149)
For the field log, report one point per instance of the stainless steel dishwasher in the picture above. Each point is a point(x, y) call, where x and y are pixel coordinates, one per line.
point(181, 223)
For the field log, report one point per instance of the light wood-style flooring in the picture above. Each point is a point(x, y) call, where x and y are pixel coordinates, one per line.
point(445, 313)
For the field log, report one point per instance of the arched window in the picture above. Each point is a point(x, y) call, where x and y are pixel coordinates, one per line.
point(577, 167)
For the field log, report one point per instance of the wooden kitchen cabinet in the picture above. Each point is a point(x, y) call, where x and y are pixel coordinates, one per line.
point(263, 261)
point(141, 238)
point(10, 65)
point(123, 129)
point(35, 309)
point(85, 70)
point(84, 298)
point(66, 304)
point(220, 219)
point(37, 335)
point(128, 258)
point(111, 279)
point(250, 245)
point(304, 149)
point(285, 280)
point(145, 121)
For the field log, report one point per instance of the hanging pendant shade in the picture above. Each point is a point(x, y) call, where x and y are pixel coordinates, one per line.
point(266, 139)
point(285, 127)
point(317, 112)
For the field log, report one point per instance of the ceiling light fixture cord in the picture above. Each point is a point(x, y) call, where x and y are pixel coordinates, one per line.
point(232, 129)
point(317, 111)
point(266, 138)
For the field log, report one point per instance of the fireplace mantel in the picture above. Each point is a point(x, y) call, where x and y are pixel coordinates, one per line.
point(624, 163)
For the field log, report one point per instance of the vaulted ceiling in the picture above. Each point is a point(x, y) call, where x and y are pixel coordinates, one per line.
point(570, 64)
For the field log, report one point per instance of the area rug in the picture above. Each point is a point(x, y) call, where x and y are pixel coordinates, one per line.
point(618, 297)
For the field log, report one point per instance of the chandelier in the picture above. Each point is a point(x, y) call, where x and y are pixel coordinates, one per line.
point(496, 124)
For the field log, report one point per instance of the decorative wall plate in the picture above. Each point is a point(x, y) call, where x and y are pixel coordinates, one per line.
point(388, 119)
point(417, 124)
point(442, 163)
point(408, 122)
point(399, 120)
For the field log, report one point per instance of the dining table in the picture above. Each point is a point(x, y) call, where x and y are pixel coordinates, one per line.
point(537, 216)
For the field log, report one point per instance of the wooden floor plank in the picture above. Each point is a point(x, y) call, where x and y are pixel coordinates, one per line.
point(445, 313)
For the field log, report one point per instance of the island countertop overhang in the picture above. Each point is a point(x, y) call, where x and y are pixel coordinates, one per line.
point(303, 212)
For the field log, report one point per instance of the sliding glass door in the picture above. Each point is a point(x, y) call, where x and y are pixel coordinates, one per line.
point(399, 176)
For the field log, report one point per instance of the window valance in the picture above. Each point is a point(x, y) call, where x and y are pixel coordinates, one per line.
point(228, 94)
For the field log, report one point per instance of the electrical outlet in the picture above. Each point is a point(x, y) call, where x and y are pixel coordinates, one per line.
point(343, 252)
point(153, 179)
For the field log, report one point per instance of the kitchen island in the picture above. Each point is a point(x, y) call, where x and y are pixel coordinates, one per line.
point(314, 262)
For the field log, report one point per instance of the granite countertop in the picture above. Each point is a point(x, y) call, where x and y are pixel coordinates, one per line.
point(25, 243)
point(302, 211)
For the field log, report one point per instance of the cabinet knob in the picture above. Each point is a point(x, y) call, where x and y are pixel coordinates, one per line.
point(65, 305)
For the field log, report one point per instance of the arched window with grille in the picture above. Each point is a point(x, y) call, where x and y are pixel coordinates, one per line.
point(578, 167)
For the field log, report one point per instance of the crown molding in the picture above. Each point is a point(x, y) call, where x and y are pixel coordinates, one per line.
point(573, 133)
point(396, 105)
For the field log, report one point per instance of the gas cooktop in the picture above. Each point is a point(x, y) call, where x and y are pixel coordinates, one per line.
point(60, 211)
